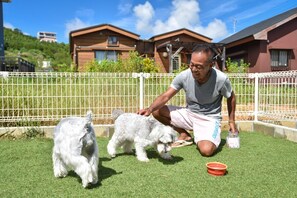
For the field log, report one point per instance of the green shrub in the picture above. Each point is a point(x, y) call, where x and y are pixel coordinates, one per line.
point(149, 66)
point(102, 66)
point(134, 63)
point(182, 68)
point(33, 132)
point(237, 67)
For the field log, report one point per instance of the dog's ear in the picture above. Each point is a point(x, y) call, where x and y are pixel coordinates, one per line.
point(116, 113)
point(152, 120)
point(174, 135)
point(89, 117)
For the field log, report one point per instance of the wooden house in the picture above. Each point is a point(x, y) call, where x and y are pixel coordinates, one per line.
point(169, 50)
point(270, 45)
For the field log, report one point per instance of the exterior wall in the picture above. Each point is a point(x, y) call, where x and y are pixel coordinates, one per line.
point(285, 37)
point(83, 58)
point(86, 45)
point(252, 56)
point(124, 55)
point(99, 39)
point(145, 48)
point(47, 36)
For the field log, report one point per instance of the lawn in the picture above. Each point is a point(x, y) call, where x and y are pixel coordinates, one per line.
point(263, 167)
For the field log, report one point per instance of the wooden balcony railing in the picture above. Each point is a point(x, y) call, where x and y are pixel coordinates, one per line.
point(16, 64)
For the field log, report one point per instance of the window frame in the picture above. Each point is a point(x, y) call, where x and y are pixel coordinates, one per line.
point(111, 42)
point(278, 56)
point(106, 55)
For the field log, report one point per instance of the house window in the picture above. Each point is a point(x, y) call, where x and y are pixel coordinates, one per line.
point(279, 58)
point(176, 62)
point(189, 56)
point(113, 41)
point(106, 55)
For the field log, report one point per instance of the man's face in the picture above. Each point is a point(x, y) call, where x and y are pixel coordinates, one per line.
point(200, 66)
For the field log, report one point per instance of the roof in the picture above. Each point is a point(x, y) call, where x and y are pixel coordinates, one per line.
point(103, 27)
point(262, 27)
point(181, 31)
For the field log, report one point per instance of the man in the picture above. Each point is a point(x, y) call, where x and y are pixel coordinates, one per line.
point(205, 87)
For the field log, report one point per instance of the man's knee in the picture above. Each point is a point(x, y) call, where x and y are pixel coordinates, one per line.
point(206, 148)
point(156, 113)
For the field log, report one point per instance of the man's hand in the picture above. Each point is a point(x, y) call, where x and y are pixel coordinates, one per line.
point(233, 128)
point(145, 112)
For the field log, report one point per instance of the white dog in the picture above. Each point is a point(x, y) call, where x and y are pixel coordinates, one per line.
point(142, 131)
point(75, 148)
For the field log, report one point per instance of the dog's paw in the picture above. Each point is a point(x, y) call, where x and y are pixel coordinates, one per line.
point(166, 156)
point(95, 181)
point(112, 156)
point(85, 184)
point(60, 173)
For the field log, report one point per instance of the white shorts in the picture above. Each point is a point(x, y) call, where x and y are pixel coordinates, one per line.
point(204, 128)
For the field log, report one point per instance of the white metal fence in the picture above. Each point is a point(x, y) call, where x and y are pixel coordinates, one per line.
point(45, 98)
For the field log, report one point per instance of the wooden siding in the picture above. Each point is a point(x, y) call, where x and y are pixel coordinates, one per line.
point(86, 45)
point(83, 58)
point(99, 40)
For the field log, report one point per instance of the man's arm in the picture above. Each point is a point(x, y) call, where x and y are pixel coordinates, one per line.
point(159, 102)
point(231, 104)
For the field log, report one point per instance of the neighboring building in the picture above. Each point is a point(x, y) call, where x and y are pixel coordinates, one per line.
point(270, 45)
point(178, 45)
point(110, 42)
point(47, 36)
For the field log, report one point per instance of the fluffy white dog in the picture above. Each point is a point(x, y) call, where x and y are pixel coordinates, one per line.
point(75, 148)
point(142, 131)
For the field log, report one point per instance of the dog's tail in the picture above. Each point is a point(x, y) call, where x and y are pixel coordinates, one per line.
point(116, 113)
point(89, 117)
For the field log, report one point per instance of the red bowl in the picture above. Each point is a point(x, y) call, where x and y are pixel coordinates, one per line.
point(216, 168)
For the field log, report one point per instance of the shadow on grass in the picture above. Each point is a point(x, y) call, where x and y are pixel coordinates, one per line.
point(103, 173)
point(152, 154)
point(220, 148)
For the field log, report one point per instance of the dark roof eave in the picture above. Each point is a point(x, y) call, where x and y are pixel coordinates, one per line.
point(240, 41)
point(106, 24)
point(165, 33)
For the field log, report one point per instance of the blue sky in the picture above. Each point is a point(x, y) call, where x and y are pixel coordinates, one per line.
point(212, 18)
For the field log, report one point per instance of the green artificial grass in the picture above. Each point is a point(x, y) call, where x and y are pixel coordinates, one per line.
point(262, 167)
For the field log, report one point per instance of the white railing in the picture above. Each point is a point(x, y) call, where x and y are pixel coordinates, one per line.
point(47, 97)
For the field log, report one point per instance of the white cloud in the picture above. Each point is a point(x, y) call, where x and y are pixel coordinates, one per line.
point(183, 14)
point(74, 24)
point(216, 29)
point(144, 14)
point(8, 25)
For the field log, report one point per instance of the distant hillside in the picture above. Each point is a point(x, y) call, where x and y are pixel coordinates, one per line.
point(34, 51)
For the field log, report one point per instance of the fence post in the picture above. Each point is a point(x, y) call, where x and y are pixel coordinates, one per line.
point(256, 97)
point(141, 77)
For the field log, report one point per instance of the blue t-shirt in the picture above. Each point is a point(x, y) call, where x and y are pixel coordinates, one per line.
point(204, 98)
